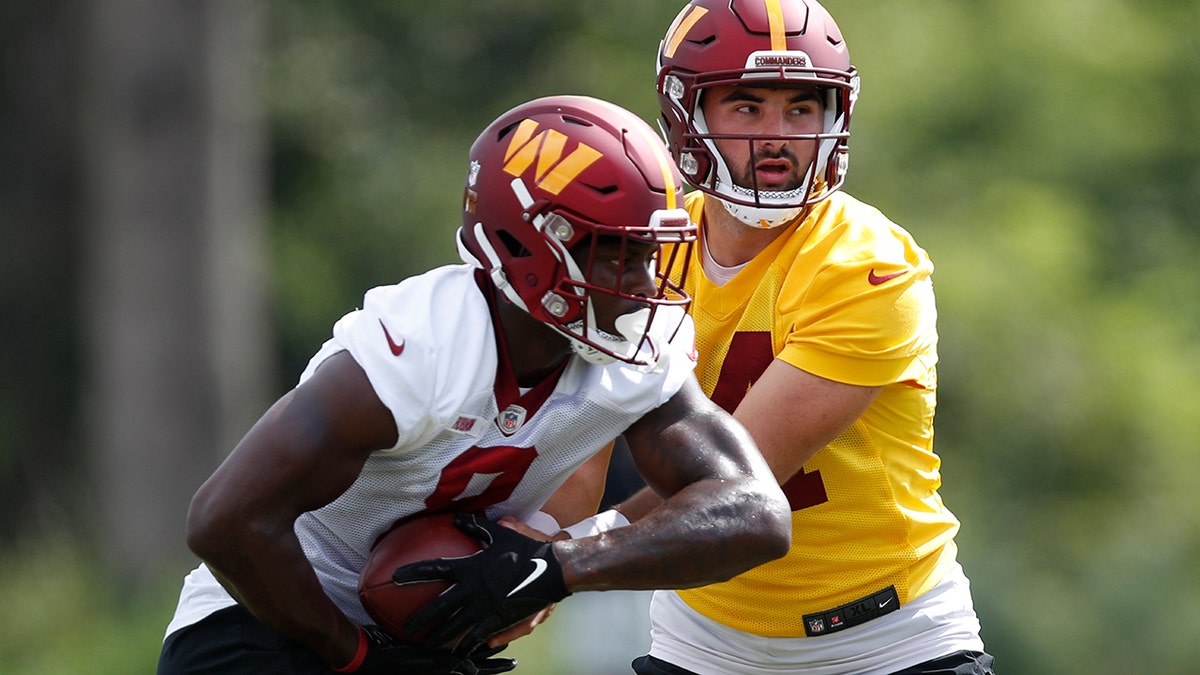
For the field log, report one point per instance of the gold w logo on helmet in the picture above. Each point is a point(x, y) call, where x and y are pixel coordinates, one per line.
point(554, 172)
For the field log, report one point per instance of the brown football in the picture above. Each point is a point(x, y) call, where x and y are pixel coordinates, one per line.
point(421, 538)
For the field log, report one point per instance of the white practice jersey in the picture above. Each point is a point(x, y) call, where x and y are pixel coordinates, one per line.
point(469, 440)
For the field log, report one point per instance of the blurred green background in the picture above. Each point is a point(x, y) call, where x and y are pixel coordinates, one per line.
point(191, 193)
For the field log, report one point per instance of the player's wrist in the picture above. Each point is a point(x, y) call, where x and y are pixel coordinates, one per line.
point(360, 654)
point(597, 524)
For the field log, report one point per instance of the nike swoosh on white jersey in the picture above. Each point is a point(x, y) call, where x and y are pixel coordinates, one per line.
point(539, 566)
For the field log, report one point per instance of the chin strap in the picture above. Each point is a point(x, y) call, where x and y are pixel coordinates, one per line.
point(759, 217)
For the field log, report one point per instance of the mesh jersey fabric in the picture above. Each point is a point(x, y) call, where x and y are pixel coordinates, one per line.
point(452, 452)
point(847, 295)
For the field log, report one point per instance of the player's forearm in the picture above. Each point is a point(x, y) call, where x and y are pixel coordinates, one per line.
point(707, 533)
point(275, 582)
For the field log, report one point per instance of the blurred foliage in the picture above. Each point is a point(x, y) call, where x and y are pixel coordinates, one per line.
point(1046, 154)
point(59, 619)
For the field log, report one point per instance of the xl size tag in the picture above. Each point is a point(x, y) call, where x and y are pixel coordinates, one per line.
point(852, 613)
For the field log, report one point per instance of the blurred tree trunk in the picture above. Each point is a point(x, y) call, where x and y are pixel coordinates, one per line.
point(39, 186)
point(174, 276)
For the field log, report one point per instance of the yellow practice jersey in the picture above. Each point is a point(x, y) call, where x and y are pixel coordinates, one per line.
point(847, 295)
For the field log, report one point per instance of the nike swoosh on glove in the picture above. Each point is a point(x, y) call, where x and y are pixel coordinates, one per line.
point(511, 579)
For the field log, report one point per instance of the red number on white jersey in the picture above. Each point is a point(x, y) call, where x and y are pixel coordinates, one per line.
point(492, 473)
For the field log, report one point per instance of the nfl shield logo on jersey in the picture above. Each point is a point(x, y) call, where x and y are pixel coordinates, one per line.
point(816, 625)
point(511, 419)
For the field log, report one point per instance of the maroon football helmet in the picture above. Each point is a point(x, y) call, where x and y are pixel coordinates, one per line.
point(567, 171)
point(789, 42)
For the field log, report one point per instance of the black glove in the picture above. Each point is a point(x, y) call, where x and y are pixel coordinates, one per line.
point(383, 654)
point(511, 579)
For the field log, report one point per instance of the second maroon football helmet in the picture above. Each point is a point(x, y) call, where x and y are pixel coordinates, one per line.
point(769, 42)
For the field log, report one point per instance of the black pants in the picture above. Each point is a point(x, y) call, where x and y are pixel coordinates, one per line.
point(232, 642)
point(958, 663)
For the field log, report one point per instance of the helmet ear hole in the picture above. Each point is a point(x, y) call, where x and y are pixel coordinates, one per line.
point(512, 245)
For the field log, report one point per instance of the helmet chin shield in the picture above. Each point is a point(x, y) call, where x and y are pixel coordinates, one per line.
point(635, 342)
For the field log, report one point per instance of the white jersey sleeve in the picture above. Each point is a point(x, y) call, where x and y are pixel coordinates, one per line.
point(396, 341)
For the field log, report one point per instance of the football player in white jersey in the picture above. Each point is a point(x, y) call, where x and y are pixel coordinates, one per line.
point(479, 389)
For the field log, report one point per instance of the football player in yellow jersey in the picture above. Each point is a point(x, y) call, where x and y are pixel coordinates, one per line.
point(816, 327)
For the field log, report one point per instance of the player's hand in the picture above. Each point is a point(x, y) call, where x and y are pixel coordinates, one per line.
point(385, 655)
point(513, 578)
point(528, 625)
point(520, 630)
